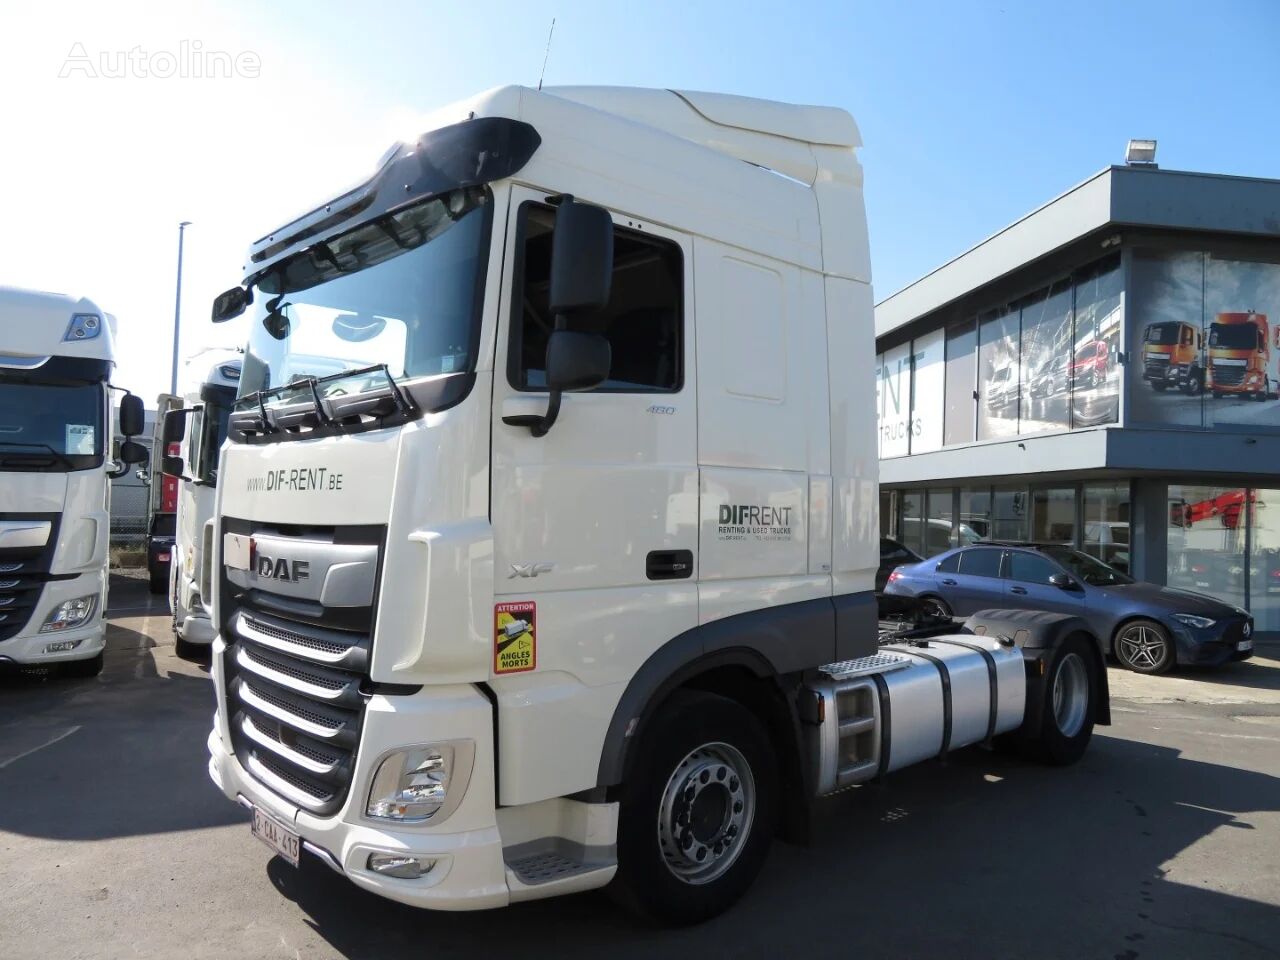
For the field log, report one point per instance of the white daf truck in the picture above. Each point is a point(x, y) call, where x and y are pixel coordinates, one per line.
point(547, 520)
point(196, 431)
point(56, 358)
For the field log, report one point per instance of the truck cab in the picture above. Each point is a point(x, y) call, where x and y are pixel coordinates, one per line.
point(193, 433)
point(546, 530)
point(1242, 358)
point(1173, 356)
point(56, 359)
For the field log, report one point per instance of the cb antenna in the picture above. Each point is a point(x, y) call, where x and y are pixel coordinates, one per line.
point(550, 34)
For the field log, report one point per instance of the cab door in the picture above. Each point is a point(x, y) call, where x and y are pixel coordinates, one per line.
point(595, 523)
point(1027, 584)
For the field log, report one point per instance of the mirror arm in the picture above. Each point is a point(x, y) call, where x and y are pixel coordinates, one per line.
point(540, 426)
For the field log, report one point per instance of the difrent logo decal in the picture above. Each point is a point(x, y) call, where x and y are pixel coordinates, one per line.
point(295, 481)
point(752, 521)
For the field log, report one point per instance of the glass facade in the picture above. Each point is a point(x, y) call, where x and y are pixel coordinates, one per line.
point(1106, 523)
point(1207, 540)
point(1049, 362)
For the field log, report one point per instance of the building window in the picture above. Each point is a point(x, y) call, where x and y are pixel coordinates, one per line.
point(975, 514)
point(1264, 560)
point(1053, 515)
point(1095, 351)
point(1009, 513)
point(642, 321)
point(1046, 361)
point(938, 535)
point(957, 424)
point(998, 375)
point(1206, 540)
point(911, 503)
point(888, 528)
point(1106, 524)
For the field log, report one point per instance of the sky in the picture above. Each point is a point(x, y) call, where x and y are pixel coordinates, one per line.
point(972, 114)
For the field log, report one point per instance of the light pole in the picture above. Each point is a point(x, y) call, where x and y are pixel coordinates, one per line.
point(177, 310)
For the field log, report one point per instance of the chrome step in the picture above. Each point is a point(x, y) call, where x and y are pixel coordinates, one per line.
point(864, 666)
point(554, 858)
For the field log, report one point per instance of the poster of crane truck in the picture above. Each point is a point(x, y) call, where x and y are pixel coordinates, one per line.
point(1206, 341)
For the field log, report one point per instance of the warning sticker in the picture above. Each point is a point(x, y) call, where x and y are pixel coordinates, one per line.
point(515, 646)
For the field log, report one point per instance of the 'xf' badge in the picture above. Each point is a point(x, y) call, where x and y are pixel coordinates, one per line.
point(529, 569)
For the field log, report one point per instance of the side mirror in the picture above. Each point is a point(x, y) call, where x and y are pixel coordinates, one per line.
point(230, 304)
point(132, 415)
point(581, 279)
point(1063, 582)
point(577, 361)
point(132, 452)
point(581, 258)
point(175, 427)
point(172, 466)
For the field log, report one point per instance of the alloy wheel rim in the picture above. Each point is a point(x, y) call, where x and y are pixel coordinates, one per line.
point(706, 812)
point(1142, 647)
point(1070, 695)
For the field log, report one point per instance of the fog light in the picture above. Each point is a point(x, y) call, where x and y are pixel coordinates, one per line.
point(70, 613)
point(411, 784)
point(59, 646)
point(400, 866)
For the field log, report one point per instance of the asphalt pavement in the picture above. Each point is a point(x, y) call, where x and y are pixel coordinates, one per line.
point(1164, 842)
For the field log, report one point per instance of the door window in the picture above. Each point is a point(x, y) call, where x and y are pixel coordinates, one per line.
point(642, 321)
point(1030, 568)
point(981, 562)
point(949, 564)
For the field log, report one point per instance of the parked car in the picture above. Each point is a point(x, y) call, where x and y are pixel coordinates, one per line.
point(1090, 363)
point(892, 555)
point(1147, 627)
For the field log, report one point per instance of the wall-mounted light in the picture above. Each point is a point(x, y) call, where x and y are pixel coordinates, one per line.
point(1140, 153)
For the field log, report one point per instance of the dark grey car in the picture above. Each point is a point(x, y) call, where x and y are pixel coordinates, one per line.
point(1149, 628)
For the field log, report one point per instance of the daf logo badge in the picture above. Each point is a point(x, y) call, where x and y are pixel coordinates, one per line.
point(529, 569)
point(288, 571)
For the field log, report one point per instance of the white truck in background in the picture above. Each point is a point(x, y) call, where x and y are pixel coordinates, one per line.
point(546, 525)
point(56, 463)
point(195, 430)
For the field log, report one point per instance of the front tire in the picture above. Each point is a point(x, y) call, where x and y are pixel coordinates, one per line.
point(698, 810)
point(1144, 646)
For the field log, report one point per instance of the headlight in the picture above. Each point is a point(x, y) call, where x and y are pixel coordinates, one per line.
point(1191, 620)
point(412, 785)
point(70, 613)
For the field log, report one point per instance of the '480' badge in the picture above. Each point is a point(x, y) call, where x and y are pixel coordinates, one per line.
point(515, 644)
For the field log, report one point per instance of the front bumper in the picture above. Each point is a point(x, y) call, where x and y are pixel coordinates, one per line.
point(27, 647)
point(469, 873)
point(1214, 646)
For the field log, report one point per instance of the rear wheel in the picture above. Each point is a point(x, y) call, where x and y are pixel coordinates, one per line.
point(1059, 722)
point(83, 669)
point(1144, 646)
point(1194, 384)
point(698, 810)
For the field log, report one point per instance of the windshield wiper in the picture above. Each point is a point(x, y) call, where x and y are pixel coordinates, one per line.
point(61, 457)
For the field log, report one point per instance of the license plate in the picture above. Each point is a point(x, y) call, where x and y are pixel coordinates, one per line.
point(1244, 645)
point(275, 835)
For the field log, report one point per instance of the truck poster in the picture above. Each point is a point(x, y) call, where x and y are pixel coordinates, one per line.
point(515, 644)
point(1204, 340)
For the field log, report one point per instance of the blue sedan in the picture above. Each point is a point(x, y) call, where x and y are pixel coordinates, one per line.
point(1149, 628)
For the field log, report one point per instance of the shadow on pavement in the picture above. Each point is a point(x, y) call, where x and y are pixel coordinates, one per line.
point(121, 755)
point(1259, 672)
point(969, 858)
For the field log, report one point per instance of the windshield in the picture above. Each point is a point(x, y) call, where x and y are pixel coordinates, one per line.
point(1162, 333)
point(404, 290)
point(1234, 336)
point(46, 426)
point(1084, 567)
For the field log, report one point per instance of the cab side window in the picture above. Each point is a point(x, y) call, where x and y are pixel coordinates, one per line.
point(642, 322)
point(949, 564)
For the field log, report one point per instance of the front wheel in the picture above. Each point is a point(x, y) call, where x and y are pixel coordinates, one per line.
point(1144, 646)
point(698, 810)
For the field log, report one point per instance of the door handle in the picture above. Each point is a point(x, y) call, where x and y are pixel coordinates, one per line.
point(669, 564)
point(1017, 589)
point(949, 583)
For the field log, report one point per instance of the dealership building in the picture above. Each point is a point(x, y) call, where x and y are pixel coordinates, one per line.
point(1103, 373)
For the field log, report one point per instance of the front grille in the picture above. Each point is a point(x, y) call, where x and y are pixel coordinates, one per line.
point(23, 573)
point(296, 689)
point(1157, 367)
point(1228, 376)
